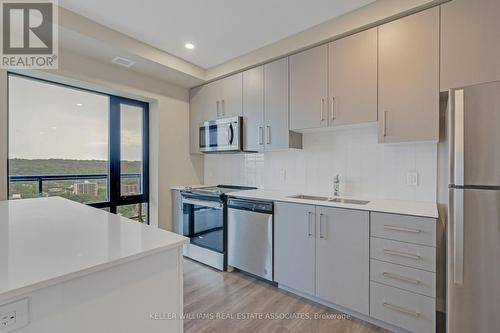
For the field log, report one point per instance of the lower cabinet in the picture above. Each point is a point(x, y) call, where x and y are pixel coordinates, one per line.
point(342, 257)
point(294, 246)
point(324, 252)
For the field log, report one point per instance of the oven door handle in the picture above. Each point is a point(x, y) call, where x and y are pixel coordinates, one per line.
point(211, 204)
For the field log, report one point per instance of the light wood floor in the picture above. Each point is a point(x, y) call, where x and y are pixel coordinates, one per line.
point(208, 292)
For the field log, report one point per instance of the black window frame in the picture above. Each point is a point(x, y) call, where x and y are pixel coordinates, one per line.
point(115, 198)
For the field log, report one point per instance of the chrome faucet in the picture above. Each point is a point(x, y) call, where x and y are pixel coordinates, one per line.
point(336, 186)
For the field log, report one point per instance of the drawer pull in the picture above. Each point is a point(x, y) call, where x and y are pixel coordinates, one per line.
point(391, 227)
point(401, 309)
point(402, 254)
point(400, 278)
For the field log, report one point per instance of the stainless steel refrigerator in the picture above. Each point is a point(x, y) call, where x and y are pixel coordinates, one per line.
point(473, 290)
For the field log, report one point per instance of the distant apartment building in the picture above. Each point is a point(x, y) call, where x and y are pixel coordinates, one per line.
point(86, 188)
point(129, 189)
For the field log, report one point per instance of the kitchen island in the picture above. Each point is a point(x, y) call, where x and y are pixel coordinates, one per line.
point(78, 269)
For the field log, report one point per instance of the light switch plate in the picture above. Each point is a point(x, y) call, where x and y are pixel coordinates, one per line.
point(412, 179)
point(14, 315)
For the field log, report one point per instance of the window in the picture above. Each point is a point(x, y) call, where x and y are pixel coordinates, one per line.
point(82, 145)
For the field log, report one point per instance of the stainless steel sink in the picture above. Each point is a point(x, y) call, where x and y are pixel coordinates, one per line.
point(339, 200)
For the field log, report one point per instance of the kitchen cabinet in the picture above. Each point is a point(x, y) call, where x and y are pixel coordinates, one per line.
point(324, 252)
point(352, 76)
point(342, 257)
point(408, 83)
point(253, 109)
point(470, 48)
point(265, 108)
point(230, 95)
point(294, 246)
point(309, 88)
point(219, 99)
point(177, 213)
point(202, 107)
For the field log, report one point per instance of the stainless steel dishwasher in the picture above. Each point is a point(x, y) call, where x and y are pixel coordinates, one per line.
point(250, 236)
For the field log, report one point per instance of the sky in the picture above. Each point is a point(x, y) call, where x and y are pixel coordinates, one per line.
point(52, 121)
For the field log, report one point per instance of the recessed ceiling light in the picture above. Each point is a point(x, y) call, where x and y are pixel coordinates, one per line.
point(79, 104)
point(189, 46)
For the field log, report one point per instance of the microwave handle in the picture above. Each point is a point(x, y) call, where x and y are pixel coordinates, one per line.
point(230, 134)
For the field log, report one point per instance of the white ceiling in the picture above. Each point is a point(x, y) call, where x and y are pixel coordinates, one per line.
point(220, 29)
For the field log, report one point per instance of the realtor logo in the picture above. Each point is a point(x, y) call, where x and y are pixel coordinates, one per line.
point(29, 34)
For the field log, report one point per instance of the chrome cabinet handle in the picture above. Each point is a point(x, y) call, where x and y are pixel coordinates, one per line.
point(261, 135)
point(309, 228)
point(322, 118)
point(268, 134)
point(402, 254)
point(395, 228)
point(321, 226)
point(217, 103)
point(401, 278)
point(401, 309)
point(223, 107)
point(384, 121)
point(332, 107)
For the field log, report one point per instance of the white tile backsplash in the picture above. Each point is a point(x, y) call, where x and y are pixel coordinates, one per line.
point(367, 169)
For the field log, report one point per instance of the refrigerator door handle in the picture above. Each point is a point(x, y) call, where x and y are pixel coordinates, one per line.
point(458, 236)
point(458, 137)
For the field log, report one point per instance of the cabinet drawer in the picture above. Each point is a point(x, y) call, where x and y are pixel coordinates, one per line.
point(415, 313)
point(411, 279)
point(411, 229)
point(412, 255)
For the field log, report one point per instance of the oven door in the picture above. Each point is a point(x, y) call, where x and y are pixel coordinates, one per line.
point(203, 223)
point(222, 135)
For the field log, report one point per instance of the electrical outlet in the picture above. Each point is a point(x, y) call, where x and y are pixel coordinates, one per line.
point(412, 179)
point(7, 319)
point(14, 315)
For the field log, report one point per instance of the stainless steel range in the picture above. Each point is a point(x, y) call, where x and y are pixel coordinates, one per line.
point(204, 221)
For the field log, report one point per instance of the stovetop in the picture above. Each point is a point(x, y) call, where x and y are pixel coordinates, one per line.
point(218, 190)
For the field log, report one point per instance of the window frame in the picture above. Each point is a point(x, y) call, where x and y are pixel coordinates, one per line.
point(115, 199)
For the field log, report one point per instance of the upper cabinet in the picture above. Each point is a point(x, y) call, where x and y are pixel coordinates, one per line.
point(335, 84)
point(309, 88)
point(230, 96)
point(265, 108)
point(352, 77)
point(218, 99)
point(253, 109)
point(408, 84)
point(470, 43)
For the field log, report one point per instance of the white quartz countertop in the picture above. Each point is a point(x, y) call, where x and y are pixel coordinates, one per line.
point(51, 240)
point(415, 208)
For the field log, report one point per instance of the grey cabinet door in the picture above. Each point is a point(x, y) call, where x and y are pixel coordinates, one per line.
point(231, 95)
point(294, 246)
point(253, 109)
point(470, 47)
point(277, 134)
point(409, 78)
point(203, 106)
point(308, 88)
point(353, 79)
point(343, 257)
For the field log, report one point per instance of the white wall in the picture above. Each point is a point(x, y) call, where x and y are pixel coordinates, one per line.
point(368, 169)
point(170, 161)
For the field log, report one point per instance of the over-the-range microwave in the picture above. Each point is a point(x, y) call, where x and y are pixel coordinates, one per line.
point(222, 135)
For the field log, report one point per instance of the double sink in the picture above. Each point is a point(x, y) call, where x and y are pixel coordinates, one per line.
point(339, 200)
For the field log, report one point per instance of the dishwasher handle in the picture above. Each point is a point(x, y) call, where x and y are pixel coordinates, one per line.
point(264, 207)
